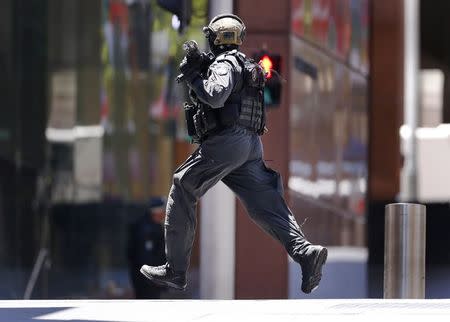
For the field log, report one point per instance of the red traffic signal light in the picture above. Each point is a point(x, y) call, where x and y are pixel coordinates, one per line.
point(271, 63)
point(267, 64)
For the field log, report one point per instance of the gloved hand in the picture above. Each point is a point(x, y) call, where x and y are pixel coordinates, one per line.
point(190, 68)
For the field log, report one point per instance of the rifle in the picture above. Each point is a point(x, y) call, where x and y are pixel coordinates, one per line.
point(194, 61)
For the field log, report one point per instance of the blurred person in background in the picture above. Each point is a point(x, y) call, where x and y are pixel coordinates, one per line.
point(228, 117)
point(146, 245)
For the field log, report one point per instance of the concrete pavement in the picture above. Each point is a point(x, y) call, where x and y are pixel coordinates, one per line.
point(224, 310)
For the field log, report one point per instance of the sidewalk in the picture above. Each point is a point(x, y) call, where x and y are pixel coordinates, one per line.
point(230, 311)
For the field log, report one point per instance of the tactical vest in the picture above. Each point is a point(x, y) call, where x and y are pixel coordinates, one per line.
point(245, 105)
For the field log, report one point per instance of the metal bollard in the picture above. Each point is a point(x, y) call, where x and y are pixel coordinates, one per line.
point(404, 251)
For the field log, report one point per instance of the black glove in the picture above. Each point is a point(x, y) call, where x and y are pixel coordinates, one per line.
point(190, 68)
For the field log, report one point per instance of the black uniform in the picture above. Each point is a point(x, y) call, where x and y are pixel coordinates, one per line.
point(234, 154)
point(228, 121)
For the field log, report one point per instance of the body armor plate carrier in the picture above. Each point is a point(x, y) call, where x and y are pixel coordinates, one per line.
point(245, 106)
point(252, 112)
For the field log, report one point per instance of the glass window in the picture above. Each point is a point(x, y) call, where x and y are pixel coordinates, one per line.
point(95, 129)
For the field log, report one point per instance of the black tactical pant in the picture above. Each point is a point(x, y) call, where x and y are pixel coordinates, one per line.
point(235, 157)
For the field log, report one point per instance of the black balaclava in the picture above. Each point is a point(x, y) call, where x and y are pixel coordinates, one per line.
point(219, 49)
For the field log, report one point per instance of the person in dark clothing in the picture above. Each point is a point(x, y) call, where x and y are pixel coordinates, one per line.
point(228, 119)
point(146, 245)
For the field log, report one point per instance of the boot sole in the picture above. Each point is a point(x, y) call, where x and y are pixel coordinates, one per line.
point(313, 283)
point(162, 283)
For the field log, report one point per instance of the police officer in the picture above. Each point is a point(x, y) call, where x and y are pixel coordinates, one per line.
point(146, 245)
point(228, 121)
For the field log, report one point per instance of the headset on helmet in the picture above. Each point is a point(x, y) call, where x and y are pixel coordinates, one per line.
point(224, 31)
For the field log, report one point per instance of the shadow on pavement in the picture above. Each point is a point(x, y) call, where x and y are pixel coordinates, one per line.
point(30, 314)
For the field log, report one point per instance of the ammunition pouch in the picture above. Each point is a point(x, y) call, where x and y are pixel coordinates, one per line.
point(205, 121)
point(201, 120)
point(189, 112)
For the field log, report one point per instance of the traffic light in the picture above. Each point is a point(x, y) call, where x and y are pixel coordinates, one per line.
point(181, 8)
point(272, 66)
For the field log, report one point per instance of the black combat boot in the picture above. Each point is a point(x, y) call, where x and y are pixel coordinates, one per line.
point(311, 263)
point(164, 276)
